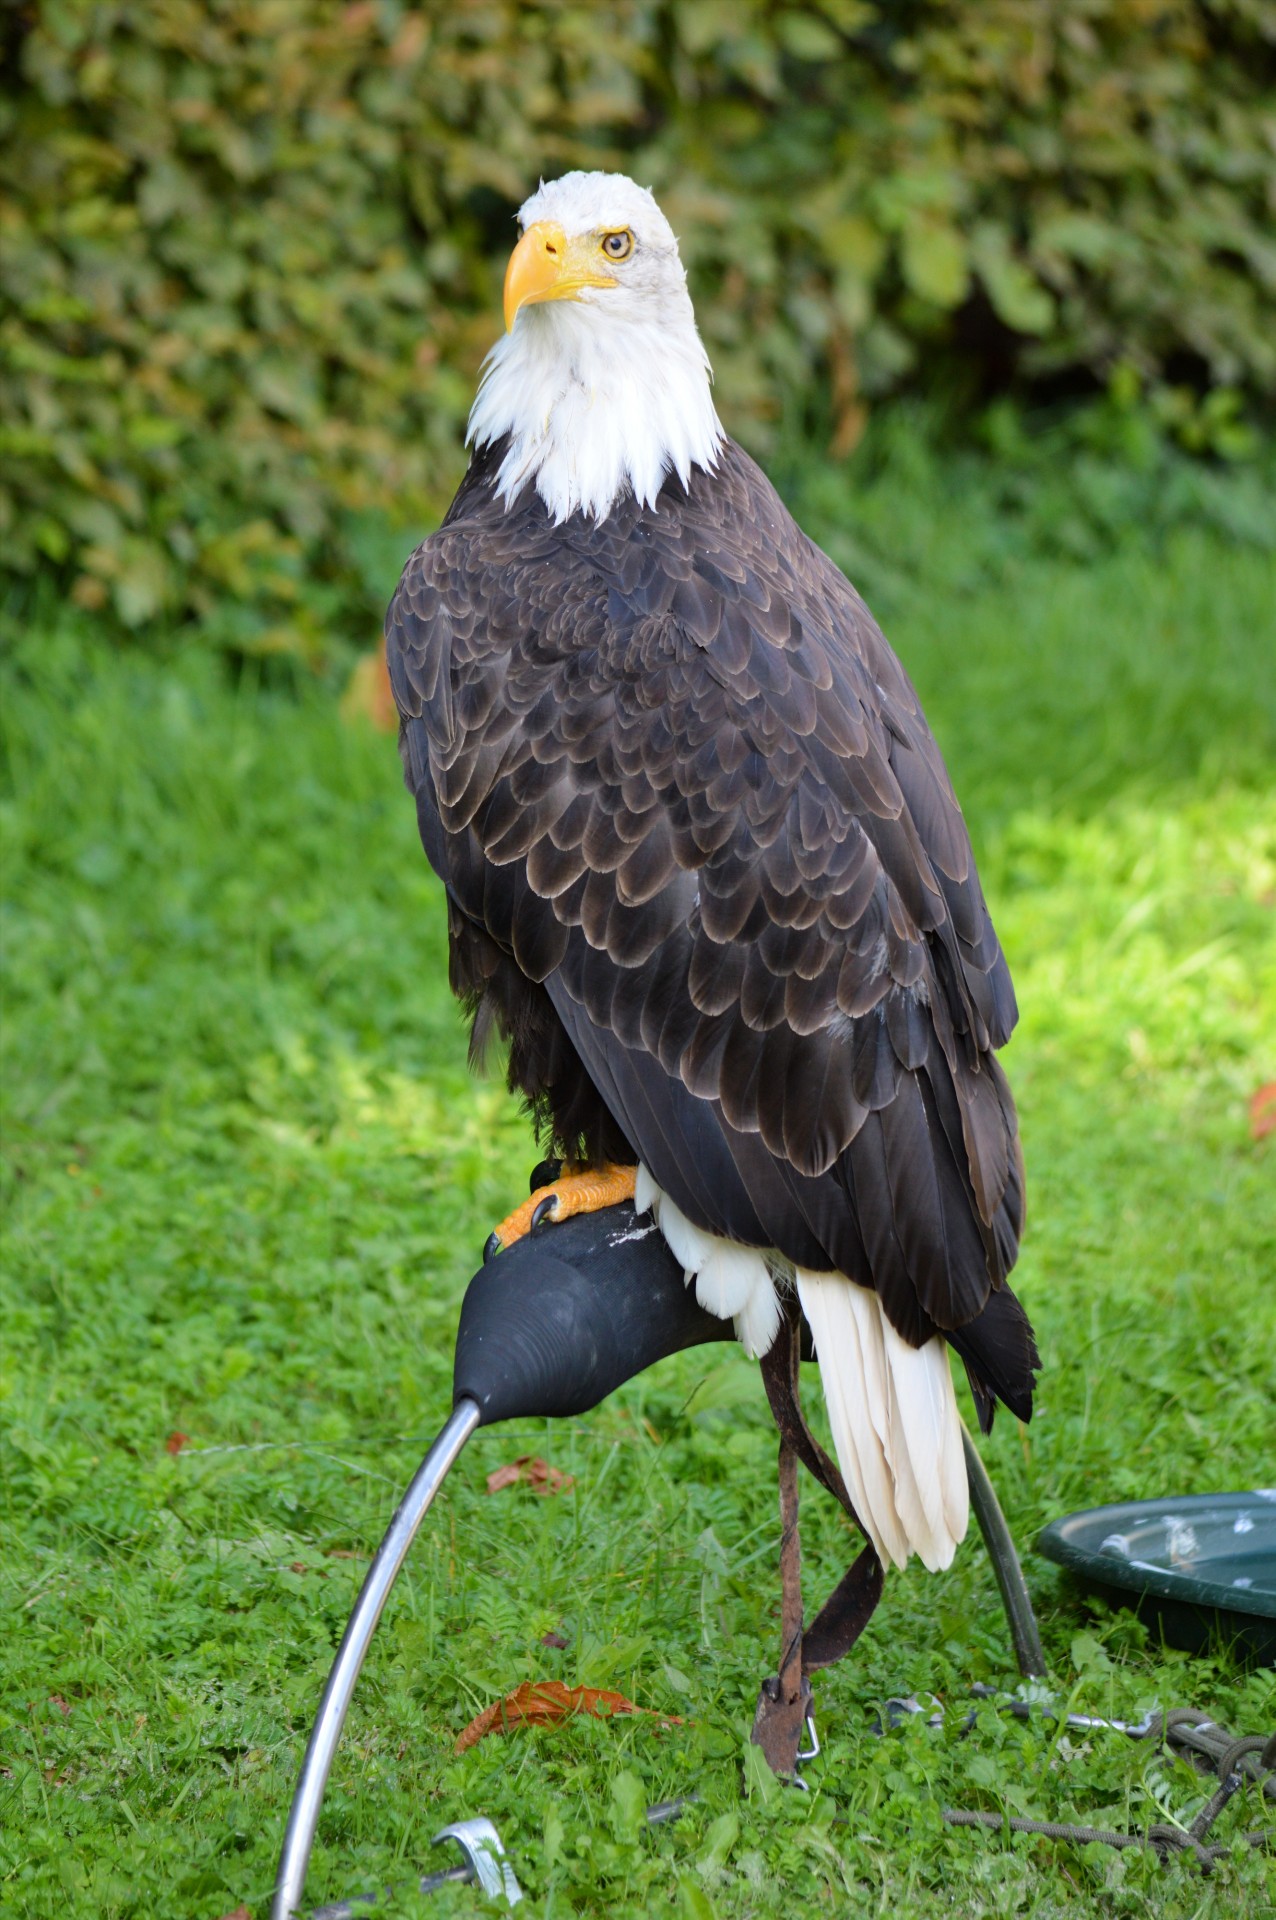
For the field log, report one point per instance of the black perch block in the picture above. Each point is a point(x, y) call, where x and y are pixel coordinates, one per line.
point(559, 1320)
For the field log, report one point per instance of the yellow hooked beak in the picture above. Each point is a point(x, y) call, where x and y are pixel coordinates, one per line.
point(546, 265)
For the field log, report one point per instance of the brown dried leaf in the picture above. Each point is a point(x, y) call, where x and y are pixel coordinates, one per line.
point(542, 1701)
point(531, 1471)
point(175, 1442)
point(1262, 1111)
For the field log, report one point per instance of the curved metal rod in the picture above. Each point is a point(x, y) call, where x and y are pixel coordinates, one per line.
point(1000, 1543)
point(303, 1817)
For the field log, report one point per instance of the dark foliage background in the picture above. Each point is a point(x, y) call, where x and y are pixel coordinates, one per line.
point(252, 248)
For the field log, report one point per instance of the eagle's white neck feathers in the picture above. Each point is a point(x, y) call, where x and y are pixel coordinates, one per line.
point(607, 392)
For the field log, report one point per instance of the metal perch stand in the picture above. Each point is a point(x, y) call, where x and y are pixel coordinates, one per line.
point(303, 1817)
point(550, 1329)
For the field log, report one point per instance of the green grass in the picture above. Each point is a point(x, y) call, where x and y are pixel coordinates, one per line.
point(247, 1177)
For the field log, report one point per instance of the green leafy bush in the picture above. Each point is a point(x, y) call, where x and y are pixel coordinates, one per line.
point(252, 248)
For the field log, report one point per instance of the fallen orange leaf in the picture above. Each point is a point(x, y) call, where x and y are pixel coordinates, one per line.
point(175, 1442)
point(530, 1470)
point(549, 1700)
point(1262, 1111)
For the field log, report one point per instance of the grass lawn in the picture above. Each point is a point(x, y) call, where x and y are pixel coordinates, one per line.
point(247, 1177)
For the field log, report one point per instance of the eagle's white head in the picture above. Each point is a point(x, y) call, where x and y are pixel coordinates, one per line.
point(601, 381)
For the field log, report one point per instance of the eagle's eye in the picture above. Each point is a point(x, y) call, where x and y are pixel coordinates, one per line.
point(618, 246)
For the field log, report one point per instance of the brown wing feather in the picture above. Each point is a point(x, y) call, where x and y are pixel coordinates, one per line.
point(669, 768)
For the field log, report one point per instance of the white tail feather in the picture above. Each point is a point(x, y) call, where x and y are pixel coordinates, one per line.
point(930, 1417)
point(895, 1424)
point(892, 1408)
point(855, 1392)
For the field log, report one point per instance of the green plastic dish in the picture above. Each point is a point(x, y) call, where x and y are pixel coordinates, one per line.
point(1203, 1567)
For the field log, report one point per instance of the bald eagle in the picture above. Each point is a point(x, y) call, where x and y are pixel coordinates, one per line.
point(705, 871)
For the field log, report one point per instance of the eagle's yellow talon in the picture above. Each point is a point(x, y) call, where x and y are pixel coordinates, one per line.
point(583, 1190)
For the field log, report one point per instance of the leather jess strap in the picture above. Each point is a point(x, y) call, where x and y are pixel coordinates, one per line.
point(784, 1698)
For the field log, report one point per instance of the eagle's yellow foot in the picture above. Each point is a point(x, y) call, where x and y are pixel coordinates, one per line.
point(577, 1190)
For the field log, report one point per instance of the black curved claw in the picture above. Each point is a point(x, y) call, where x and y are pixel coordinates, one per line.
point(491, 1247)
point(545, 1209)
point(544, 1174)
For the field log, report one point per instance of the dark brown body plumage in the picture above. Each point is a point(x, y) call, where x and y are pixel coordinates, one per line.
point(706, 872)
